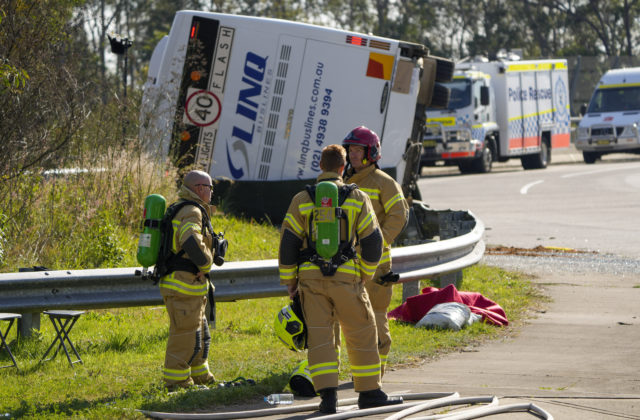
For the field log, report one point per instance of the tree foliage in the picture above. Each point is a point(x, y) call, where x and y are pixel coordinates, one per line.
point(43, 100)
point(451, 28)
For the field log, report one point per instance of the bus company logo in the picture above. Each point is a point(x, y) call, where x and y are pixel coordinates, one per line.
point(246, 113)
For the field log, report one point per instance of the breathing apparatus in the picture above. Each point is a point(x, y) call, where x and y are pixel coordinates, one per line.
point(219, 248)
point(151, 232)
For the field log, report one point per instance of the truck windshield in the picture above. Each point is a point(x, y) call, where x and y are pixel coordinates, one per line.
point(460, 93)
point(615, 99)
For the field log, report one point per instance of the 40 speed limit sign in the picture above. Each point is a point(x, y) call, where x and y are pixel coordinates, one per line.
point(202, 107)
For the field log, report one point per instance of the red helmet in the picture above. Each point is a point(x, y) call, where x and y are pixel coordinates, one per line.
point(362, 136)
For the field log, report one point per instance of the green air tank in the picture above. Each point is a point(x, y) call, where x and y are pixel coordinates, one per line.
point(151, 234)
point(327, 232)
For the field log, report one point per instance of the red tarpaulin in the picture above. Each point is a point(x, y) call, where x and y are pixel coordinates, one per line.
point(417, 306)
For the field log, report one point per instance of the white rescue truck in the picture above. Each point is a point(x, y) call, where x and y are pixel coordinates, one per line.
point(500, 110)
point(254, 101)
point(610, 123)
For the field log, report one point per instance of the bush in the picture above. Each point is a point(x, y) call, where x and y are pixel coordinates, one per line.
point(87, 218)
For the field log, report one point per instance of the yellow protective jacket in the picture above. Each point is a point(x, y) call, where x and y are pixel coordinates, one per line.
point(295, 231)
point(392, 209)
point(188, 234)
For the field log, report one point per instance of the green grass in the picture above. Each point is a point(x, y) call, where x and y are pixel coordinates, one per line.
point(123, 353)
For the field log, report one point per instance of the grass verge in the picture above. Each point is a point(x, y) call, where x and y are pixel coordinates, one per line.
point(123, 353)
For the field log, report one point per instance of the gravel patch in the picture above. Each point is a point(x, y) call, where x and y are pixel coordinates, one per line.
point(564, 262)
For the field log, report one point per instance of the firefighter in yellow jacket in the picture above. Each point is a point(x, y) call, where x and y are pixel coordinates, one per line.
point(184, 289)
point(330, 290)
point(392, 211)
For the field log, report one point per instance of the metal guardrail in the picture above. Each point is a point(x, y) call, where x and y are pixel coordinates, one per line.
point(36, 291)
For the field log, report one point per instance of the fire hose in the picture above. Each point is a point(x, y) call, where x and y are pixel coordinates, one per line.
point(420, 402)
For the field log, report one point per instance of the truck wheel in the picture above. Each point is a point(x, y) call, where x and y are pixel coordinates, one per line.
point(590, 157)
point(466, 167)
point(483, 164)
point(538, 161)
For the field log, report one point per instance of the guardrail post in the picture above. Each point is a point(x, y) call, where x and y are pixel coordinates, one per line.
point(410, 288)
point(451, 278)
point(29, 321)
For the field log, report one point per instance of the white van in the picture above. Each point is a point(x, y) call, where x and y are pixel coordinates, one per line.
point(254, 100)
point(610, 123)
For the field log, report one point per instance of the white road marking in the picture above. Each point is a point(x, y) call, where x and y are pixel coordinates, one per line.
point(525, 189)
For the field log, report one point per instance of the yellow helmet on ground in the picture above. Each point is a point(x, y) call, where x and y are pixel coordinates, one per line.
point(300, 380)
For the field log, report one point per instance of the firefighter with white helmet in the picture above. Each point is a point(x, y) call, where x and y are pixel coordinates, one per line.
point(331, 291)
point(392, 212)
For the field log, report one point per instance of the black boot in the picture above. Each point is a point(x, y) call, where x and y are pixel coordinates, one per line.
point(376, 398)
point(329, 403)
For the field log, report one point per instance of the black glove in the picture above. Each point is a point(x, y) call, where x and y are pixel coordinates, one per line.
point(390, 277)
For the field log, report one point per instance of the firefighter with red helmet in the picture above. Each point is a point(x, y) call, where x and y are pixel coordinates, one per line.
point(392, 211)
point(331, 288)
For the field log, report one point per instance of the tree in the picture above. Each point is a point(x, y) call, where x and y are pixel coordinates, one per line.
point(609, 20)
point(12, 79)
point(39, 43)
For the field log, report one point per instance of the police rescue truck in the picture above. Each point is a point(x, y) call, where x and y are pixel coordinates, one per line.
point(500, 110)
point(254, 100)
point(610, 123)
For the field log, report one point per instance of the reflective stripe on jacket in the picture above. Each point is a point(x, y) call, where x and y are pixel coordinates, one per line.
point(389, 204)
point(186, 224)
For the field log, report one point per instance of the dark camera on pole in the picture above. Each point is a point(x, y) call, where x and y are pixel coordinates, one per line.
point(119, 45)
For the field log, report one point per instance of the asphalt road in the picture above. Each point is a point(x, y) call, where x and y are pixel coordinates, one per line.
point(568, 204)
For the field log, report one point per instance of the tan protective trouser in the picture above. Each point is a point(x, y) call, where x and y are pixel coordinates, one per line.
point(188, 327)
point(325, 300)
point(380, 297)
